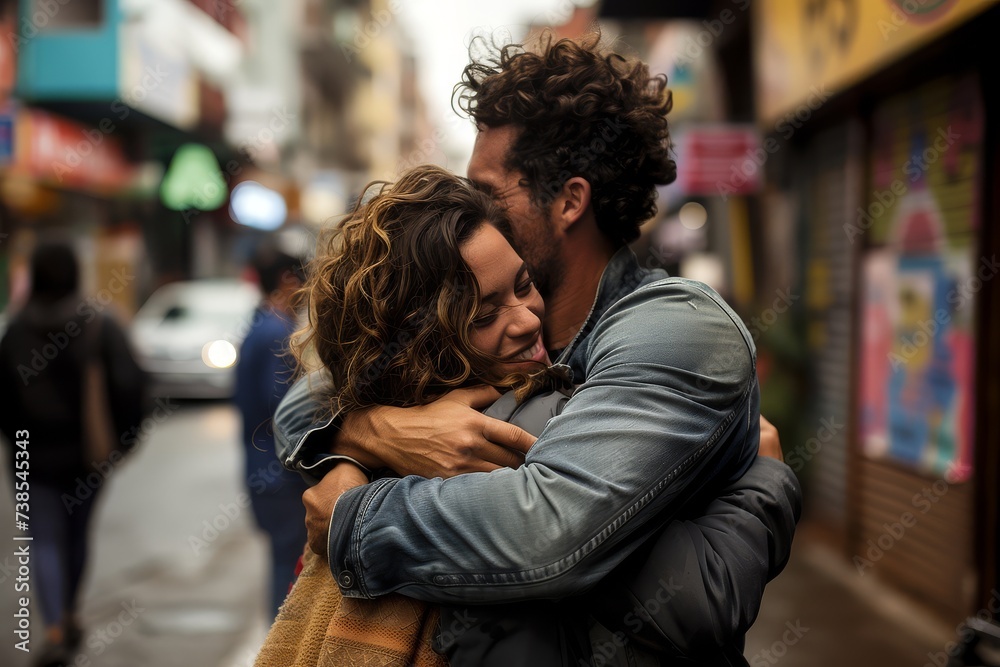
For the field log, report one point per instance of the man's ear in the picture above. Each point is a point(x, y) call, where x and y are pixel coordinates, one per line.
point(572, 203)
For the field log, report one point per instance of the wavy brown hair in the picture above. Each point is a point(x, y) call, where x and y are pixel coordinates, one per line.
point(583, 111)
point(391, 301)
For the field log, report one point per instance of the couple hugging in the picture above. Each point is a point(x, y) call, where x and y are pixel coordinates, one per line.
point(453, 321)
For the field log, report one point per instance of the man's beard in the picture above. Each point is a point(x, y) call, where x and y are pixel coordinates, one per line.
point(547, 271)
point(537, 245)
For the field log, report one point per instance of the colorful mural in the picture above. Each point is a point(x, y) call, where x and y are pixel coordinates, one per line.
point(920, 280)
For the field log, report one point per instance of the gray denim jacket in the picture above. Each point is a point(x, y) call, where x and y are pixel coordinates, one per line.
point(667, 413)
point(656, 608)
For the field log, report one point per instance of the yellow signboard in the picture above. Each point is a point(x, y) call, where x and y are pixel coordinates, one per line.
point(805, 48)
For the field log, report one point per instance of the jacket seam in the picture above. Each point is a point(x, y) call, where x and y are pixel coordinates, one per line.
point(722, 305)
point(355, 548)
point(564, 565)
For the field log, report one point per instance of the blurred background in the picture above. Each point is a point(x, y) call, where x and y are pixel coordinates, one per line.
point(838, 175)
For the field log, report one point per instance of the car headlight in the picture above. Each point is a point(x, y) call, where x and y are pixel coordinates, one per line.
point(219, 354)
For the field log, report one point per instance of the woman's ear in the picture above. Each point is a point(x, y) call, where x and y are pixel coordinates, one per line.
point(572, 204)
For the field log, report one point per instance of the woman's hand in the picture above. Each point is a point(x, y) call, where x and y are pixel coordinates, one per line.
point(321, 499)
point(444, 438)
point(770, 444)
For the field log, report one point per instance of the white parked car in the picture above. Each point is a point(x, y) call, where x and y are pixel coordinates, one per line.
point(187, 336)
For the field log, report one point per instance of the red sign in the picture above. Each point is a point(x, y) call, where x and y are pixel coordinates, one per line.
point(68, 154)
point(720, 160)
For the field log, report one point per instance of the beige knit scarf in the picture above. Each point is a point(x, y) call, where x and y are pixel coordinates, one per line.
point(319, 627)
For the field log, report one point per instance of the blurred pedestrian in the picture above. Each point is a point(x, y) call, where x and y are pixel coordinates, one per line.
point(73, 391)
point(262, 376)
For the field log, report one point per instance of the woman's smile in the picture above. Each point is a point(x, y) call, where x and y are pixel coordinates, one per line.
point(509, 321)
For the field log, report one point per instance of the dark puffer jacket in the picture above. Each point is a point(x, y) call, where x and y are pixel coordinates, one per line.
point(42, 360)
point(656, 607)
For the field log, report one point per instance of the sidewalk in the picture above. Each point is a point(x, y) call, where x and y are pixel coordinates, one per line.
point(177, 569)
point(820, 613)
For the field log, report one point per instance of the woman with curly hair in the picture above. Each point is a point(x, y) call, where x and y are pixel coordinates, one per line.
point(420, 292)
point(416, 293)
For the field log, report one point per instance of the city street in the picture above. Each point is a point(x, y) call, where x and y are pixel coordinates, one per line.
point(176, 575)
point(176, 572)
point(413, 193)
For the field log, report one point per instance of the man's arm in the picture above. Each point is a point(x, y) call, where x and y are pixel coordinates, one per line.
point(442, 439)
point(699, 583)
point(668, 406)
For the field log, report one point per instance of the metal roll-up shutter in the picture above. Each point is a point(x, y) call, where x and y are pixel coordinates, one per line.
point(831, 180)
point(916, 365)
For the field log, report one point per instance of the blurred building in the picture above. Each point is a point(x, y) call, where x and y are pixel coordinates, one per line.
point(171, 137)
point(104, 92)
point(843, 153)
point(329, 158)
point(353, 134)
point(885, 110)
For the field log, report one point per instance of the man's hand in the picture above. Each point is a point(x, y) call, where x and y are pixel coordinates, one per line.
point(770, 444)
point(320, 500)
point(444, 438)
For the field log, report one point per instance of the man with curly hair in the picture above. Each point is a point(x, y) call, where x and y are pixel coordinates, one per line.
point(573, 140)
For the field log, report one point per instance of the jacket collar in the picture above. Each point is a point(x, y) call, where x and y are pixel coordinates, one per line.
point(621, 277)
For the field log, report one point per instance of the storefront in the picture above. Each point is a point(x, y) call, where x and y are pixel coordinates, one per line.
point(65, 179)
point(888, 177)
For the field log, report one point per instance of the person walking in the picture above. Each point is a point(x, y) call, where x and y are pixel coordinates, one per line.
point(73, 394)
point(263, 374)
